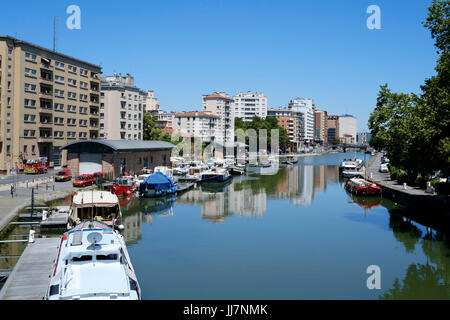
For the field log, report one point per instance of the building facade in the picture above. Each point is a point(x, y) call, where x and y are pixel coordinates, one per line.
point(221, 105)
point(306, 107)
point(332, 128)
point(320, 126)
point(152, 102)
point(121, 110)
point(248, 105)
point(115, 157)
point(347, 129)
point(47, 99)
point(363, 138)
point(198, 124)
point(293, 122)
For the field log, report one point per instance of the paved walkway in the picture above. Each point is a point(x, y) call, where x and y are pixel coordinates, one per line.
point(384, 179)
point(9, 206)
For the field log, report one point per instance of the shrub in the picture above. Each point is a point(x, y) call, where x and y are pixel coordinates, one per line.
point(421, 182)
point(442, 187)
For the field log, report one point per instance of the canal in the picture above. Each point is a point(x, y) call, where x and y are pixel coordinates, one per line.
point(294, 235)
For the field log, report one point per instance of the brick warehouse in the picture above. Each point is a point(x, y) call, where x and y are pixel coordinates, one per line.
point(116, 156)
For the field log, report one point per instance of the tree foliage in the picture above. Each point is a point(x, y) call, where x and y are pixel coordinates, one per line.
point(268, 123)
point(414, 128)
point(151, 132)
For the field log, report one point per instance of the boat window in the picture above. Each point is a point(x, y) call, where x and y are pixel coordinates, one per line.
point(133, 285)
point(105, 257)
point(82, 258)
point(54, 289)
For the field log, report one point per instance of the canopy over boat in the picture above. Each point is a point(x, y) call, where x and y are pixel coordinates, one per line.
point(158, 181)
point(94, 199)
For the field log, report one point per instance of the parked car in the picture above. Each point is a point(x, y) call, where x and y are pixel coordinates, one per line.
point(84, 180)
point(384, 159)
point(63, 175)
point(384, 167)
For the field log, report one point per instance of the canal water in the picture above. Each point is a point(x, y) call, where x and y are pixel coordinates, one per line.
point(294, 235)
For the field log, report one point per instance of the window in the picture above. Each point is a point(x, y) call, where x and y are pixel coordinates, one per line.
point(9, 54)
point(59, 79)
point(30, 88)
point(59, 65)
point(105, 257)
point(33, 148)
point(29, 103)
point(72, 82)
point(72, 95)
point(30, 73)
point(72, 69)
point(82, 258)
point(25, 149)
point(30, 57)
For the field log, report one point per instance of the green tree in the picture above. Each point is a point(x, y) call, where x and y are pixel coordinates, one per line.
point(414, 128)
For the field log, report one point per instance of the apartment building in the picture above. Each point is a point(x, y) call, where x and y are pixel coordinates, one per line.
point(47, 99)
point(152, 102)
point(198, 124)
point(320, 126)
point(220, 104)
point(248, 105)
point(293, 122)
point(363, 137)
point(306, 107)
point(332, 128)
point(347, 129)
point(122, 107)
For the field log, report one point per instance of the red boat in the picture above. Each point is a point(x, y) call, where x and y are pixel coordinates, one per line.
point(362, 187)
point(122, 186)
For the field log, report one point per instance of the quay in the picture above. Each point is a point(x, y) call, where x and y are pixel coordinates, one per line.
point(30, 277)
point(427, 208)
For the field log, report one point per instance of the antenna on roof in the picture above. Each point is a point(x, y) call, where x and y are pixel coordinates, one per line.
point(54, 33)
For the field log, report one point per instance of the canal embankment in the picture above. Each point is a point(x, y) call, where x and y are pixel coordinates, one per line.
point(431, 209)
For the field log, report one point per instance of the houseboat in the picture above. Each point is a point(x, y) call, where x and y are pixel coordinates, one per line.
point(215, 175)
point(94, 205)
point(92, 263)
point(362, 187)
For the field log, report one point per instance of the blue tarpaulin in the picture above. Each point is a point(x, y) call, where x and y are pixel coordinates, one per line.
point(157, 181)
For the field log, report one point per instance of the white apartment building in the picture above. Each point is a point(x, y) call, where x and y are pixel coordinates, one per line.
point(306, 107)
point(152, 102)
point(347, 129)
point(221, 105)
point(197, 124)
point(121, 108)
point(247, 105)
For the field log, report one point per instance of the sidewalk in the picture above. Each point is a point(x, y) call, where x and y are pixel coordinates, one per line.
point(9, 206)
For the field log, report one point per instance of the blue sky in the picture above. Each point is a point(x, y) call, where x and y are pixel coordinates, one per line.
point(286, 49)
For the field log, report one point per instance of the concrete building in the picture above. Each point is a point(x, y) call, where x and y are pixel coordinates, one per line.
point(347, 129)
point(305, 106)
point(320, 127)
point(152, 102)
point(121, 109)
point(293, 122)
point(198, 124)
point(221, 105)
point(332, 128)
point(47, 99)
point(363, 138)
point(116, 157)
point(248, 105)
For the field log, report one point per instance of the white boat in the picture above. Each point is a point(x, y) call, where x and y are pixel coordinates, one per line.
point(140, 179)
point(215, 175)
point(350, 165)
point(97, 206)
point(166, 170)
point(93, 264)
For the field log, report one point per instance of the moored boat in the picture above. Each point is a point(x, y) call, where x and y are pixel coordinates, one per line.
point(93, 264)
point(122, 186)
point(362, 187)
point(95, 205)
point(157, 184)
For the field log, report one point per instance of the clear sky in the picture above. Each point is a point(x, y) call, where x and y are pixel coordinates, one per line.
point(286, 49)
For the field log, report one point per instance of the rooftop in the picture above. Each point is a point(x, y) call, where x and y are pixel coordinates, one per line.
point(196, 114)
point(20, 42)
point(217, 95)
point(101, 146)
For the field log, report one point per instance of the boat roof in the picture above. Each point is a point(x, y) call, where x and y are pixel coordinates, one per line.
point(95, 198)
point(89, 277)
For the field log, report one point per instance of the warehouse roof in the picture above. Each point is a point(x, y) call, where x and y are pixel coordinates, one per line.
point(91, 146)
